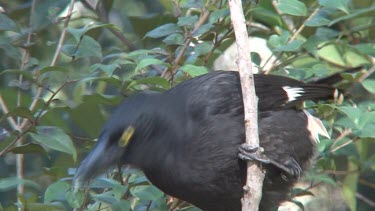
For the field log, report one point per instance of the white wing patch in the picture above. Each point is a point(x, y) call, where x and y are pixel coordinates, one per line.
point(293, 92)
point(316, 127)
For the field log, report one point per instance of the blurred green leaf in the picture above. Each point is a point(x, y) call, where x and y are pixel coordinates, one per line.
point(121, 205)
point(337, 4)
point(255, 58)
point(187, 21)
point(56, 192)
point(202, 48)
point(152, 81)
point(350, 185)
point(45, 207)
point(54, 138)
point(7, 24)
point(164, 30)
point(107, 68)
point(146, 192)
point(87, 47)
point(29, 148)
point(218, 14)
point(369, 85)
point(353, 15)
point(174, 39)
point(9, 183)
point(317, 20)
point(332, 54)
point(147, 62)
point(79, 33)
point(353, 113)
point(295, 45)
point(203, 29)
point(366, 48)
point(20, 112)
point(194, 70)
point(292, 7)
point(75, 198)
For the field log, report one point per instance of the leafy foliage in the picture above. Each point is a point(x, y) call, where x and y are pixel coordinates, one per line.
point(63, 72)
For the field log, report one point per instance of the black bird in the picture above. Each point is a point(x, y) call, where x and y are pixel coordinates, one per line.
point(188, 140)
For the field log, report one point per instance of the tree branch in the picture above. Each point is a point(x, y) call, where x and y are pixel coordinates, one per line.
point(255, 175)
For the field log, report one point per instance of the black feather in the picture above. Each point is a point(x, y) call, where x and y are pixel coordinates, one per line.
point(187, 139)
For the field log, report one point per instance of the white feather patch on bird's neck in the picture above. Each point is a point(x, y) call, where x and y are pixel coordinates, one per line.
point(316, 127)
point(293, 92)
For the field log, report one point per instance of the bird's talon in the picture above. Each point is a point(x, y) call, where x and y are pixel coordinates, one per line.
point(250, 153)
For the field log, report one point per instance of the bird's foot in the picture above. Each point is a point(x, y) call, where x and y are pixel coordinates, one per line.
point(249, 153)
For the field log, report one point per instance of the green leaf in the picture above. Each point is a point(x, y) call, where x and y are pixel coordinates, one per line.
point(366, 48)
point(87, 47)
point(152, 81)
point(292, 7)
point(218, 14)
point(187, 21)
point(317, 20)
point(255, 58)
point(350, 185)
point(366, 125)
point(22, 112)
point(203, 29)
point(174, 39)
point(332, 54)
point(26, 74)
point(336, 4)
point(277, 41)
point(79, 33)
point(147, 62)
point(164, 30)
point(7, 24)
point(193, 70)
point(75, 198)
point(53, 68)
point(146, 192)
point(56, 192)
point(353, 15)
point(29, 148)
point(107, 68)
point(202, 48)
point(121, 205)
point(369, 85)
point(56, 139)
point(45, 207)
point(352, 113)
point(9, 183)
point(295, 45)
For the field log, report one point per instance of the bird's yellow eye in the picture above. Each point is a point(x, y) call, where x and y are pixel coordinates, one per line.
point(126, 136)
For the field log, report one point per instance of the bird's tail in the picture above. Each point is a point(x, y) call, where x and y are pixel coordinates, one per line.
point(277, 92)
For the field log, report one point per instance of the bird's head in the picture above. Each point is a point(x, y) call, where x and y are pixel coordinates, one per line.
point(117, 136)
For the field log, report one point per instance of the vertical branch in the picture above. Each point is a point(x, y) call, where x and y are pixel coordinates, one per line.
point(63, 33)
point(25, 59)
point(255, 176)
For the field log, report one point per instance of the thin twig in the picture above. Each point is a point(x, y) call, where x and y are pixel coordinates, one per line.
point(255, 175)
point(54, 60)
point(369, 72)
point(299, 30)
point(25, 59)
point(118, 34)
point(365, 199)
point(26, 128)
point(4, 108)
point(168, 73)
point(295, 34)
point(63, 33)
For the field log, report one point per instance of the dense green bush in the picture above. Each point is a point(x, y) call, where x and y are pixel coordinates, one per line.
point(62, 73)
